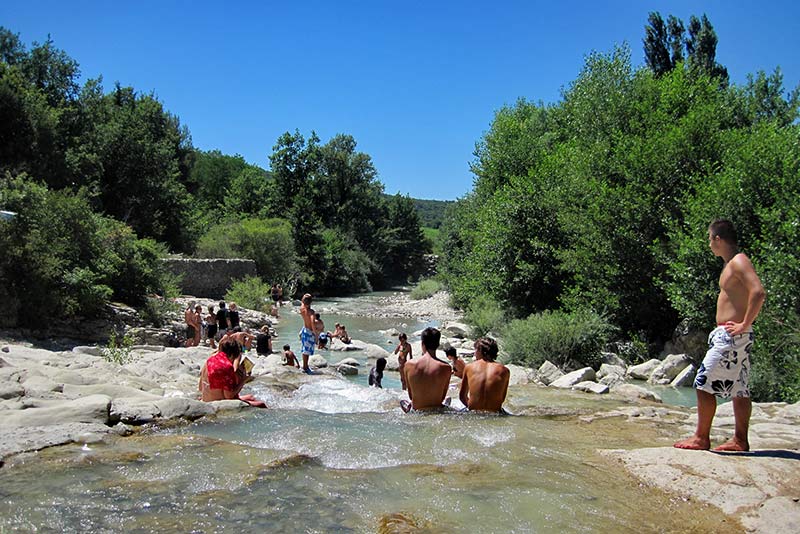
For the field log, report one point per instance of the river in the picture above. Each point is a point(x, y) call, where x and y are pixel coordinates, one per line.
point(337, 456)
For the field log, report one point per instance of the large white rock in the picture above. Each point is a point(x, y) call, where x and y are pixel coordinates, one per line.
point(549, 373)
point(347, 370)
point(348, 361)
point(669, 368)
point(520, 375)
point(685, 378)
point(607, 369)
point(632, 391)
point(612, 359)
point(643, 370)
point(91, 409)
point(455, 329)
point(591, 387)
point(575, 377)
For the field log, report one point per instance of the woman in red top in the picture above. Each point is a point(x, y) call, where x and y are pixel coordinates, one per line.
point(223, 378)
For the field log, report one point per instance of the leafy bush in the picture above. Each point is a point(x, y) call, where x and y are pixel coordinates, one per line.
point(775, 370)
point(566, 339)
point(251, 293)
point(268, 242)
point(485, 315)
point(426, 289)
point(118, 349)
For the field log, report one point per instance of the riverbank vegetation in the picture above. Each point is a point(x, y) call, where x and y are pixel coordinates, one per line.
point(105, 183)
point(599, 203)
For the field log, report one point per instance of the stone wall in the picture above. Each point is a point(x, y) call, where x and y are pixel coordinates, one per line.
point(209, 278)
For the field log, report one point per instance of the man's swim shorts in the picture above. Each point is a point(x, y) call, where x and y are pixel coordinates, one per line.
point(726, 367)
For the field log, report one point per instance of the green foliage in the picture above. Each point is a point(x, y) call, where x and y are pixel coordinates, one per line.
point(663, 46)
point(775, 370)
point(433, 240)
point(156, 310)
point(431, 212)
point(484, 315)
point(268, 242)
point(251, 293)
point(569, 340)
point(426, 289)
point(118, 350)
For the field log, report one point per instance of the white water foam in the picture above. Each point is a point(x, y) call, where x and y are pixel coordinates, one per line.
point(336, 396)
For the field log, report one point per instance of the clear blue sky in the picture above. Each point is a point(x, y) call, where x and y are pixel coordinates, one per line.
point(415, 83)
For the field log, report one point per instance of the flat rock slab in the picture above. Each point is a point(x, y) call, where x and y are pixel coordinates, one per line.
point(17, 440)
point(760, 488)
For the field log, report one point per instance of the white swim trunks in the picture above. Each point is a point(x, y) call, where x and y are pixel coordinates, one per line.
point(726, 367)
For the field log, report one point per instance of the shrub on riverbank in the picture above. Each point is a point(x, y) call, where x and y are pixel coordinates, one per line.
point(484, 315)
point(566, 339)
point(426, 289)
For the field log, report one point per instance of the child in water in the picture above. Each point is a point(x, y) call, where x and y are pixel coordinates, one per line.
point(291, 359)
point(376, 373)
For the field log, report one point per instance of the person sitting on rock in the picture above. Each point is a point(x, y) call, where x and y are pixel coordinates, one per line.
point(343, 336)
point(376, 373)
point(291, 359)
point(428, 377)
point(319, 330)
point(264, 341)
point(222, 376)
point(485, 382)
point(457, 363)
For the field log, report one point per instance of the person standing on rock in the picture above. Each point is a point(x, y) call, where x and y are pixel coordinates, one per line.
point(485, 382)
point(223, 322)
point(191, 325)
point(276, 298)
point(307, 337)
point(198, 325)
point(211, 328)
point(427, 377)
point(725, 369)
point(403, 351)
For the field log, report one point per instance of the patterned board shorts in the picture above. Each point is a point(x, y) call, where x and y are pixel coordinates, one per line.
point(726, 367)
point(307, 340)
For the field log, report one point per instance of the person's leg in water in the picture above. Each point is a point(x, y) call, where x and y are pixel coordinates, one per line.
point(706, 408)
point(742, 408)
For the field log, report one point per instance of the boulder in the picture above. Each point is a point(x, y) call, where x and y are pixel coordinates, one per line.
point(11, 390)
point(685, 378)
point(347, 370)
point(348, 361)
point(612, 359)
point(591, 387)
point(91, 409)
point(91, 350)
point(612, 380)
point(575, 377)
point(454, 329)
point(373, 352)
point(643, 370)
point(178, 407)
point(632, 391)
point(520, 375)
point(607, 369)
point(669, 368)
point(336, 344)
point(549, 373)
point(316, 361)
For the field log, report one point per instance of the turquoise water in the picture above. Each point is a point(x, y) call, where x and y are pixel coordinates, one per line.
point(337, 456)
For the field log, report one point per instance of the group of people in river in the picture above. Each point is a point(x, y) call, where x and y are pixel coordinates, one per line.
point(724, 371)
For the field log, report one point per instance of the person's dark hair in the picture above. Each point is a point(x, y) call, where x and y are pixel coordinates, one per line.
point(402, 336)
point(286, 347)
point(316, 316)
point(451, 351)
point(221, 304)
point(724, 229)
point(380, 365)
point(488, 348)
point(431, 338)
point(210, 308)
point(230, 347)
point(306, 299)
point(236, 329)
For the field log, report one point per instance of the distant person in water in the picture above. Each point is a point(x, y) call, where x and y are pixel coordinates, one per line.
point(222, 377)
point(307, 337)
point(276, 298)
point(457, 363)
point(725, 369)
point(319, 331)
point(403, 351)
point(427, 377)
point(376, 373)
point(344, 337)
point(291, 359)
point(485, 382)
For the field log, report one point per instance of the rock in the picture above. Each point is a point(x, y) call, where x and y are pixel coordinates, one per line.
point(228, 405)
point(336, 344)
point(520, 375)
point(669, 368)
point(133, 411)
point(373, 352)
point(15, 440)
point(148, 348)
point(91, 409)
point(177, 407)
point(549, 373)
point(455, 329)
point(612, 359)
point(348, 361)
point(575, 377)
point(316, 361)
point(643, 370)
point(632, 391)
point(612, 380)
point(685, 378)
point(607, 369)
point(591, 387)
point(91, 350)
point(347, 370)
point(11, 390)
point(5, 348)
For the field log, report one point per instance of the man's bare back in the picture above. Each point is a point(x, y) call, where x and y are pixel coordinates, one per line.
point(428, 379)
point(484, 386)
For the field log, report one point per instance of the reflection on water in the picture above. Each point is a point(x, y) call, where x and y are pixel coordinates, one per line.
point(336, 456)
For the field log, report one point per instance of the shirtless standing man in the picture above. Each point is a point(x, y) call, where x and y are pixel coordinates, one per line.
point(307, 337)
point(726, 366)
point(191, 325)
point(427, 377)
point(485, 382)
point(404, 353)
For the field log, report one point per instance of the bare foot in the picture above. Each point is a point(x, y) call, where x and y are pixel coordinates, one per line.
point(694, 443)
point(733, 445)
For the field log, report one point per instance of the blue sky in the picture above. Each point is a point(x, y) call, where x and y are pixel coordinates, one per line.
point(415, 83)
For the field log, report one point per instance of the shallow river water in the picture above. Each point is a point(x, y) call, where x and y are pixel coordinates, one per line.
point(336, 456)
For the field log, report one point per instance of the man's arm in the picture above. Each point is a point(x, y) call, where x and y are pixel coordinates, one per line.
point(744, 271)
point(407, 370)
point(463, 393)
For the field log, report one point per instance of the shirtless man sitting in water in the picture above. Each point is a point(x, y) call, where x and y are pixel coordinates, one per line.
point(427, 377)
point(726, 366)
point(485, 382)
